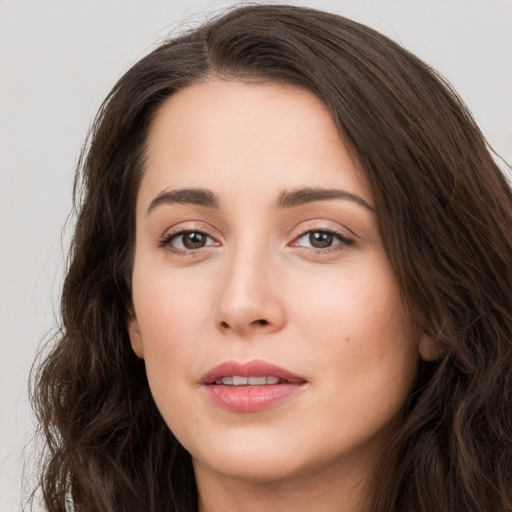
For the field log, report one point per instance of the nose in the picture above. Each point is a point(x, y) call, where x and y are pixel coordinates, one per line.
point(250, 301)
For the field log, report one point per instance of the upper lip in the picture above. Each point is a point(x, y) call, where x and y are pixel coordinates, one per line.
point(254, 368)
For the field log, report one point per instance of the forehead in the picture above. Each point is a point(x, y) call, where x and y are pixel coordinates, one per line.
point(245, 137)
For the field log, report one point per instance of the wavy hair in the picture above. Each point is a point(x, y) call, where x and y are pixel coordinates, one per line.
point(445, 215)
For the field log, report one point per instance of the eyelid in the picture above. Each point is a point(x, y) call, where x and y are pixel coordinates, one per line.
point(323, 226)
point(192, 225)
point(171, 236)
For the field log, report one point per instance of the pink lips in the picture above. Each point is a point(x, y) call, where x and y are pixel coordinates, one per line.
point(250, 398)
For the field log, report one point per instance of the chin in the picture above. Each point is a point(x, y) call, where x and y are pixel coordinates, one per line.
point(259, 467)
point(255, 458)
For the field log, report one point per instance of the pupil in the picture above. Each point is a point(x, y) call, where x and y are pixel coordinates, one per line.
point(320, 239)
point(194, 240)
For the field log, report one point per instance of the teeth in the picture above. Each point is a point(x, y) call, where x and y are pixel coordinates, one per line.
point(257, 381)
point(237, 380)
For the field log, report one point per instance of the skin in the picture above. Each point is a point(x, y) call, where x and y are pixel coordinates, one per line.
point(257, 289)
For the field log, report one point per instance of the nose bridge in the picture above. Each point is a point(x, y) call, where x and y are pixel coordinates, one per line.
point(249, 297)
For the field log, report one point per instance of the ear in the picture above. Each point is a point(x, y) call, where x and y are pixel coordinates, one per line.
point(134, 333)
point(428, 348)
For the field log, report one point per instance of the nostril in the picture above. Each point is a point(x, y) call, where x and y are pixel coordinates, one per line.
point(225, 325)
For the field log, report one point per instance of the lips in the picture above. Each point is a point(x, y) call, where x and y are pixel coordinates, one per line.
point(254, 368)
point(239, 387)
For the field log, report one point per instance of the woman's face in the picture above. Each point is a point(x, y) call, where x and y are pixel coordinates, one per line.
point(257, 245)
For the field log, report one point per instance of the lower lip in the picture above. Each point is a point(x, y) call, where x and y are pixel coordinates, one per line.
point(250, 398)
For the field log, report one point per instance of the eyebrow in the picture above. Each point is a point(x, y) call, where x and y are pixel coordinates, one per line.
point(291, 199)
point(196, 196)
point(286, 199)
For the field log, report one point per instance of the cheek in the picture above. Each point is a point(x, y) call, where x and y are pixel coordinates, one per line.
point(360, 307)
point(171, 306)
point(171, 316)
point(362, 337)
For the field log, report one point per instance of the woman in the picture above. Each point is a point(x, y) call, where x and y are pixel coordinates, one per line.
point(289, 285)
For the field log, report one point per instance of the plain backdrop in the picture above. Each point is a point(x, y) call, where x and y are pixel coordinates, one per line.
point(58, 59)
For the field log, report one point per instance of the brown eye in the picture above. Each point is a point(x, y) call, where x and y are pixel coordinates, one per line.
point(320, 239)
point(187, 241)
point(194, 240)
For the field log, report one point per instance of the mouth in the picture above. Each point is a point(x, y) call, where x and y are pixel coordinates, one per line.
point(250, 387)
point(252, 373)
point(239, 380)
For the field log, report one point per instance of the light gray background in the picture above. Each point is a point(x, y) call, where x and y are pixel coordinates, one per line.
point(58, 59)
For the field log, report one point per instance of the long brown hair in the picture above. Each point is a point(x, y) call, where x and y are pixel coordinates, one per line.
point(445, 214)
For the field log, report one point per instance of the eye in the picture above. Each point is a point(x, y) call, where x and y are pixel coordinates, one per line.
point(187, 241)
point(321, 239)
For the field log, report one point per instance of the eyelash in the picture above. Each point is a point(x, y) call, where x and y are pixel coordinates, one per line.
point(344, 241)
point(166, 242)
